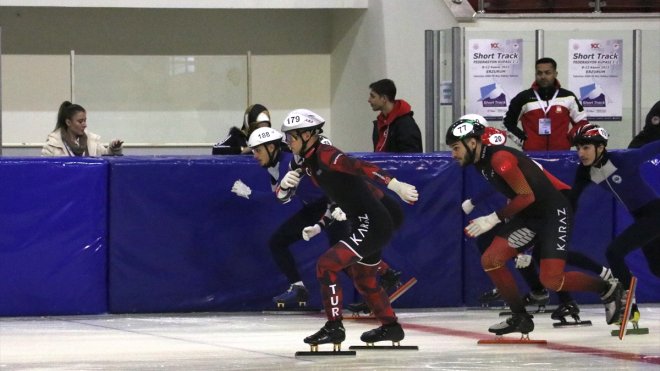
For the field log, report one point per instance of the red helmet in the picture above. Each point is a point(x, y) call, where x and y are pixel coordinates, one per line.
point(493, 136)
point(590, 134)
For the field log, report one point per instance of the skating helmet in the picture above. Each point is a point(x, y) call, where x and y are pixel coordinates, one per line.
point(473, 116)
point(255, 115)
point(590, 134)
point(463, 129)
point(302, 120)
point(264, 136)
point(493, 136)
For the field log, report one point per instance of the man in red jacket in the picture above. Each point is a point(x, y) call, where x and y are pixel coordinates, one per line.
point(395, 129)
point(549, 114)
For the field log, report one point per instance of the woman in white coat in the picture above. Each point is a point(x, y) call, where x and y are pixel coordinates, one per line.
point(70, 137)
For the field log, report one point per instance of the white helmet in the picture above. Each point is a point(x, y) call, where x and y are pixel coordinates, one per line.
point(264, 136)
point(474, 117)
point(302, 119)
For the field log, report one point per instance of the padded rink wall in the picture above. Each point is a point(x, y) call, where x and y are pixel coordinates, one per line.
point(165, 234)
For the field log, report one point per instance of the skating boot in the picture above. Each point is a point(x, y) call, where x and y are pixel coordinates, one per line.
point(489, 297)
point(612, 299)
point(537, 298)
point(390, 280)
point(568, 309)
point(295, 296)
point(333, 332)
point(392, 332)
point(518, 322)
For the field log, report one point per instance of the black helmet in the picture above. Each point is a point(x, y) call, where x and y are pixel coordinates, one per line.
point(254, 115)
point(590, 134)
point(464, 128)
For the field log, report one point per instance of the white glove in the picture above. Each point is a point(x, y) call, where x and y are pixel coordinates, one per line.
point(338, 214)
point(290, 180)
point(467, 206)
point(241, 189)
point(481, 225)
point(406, 191)
point(523, 261)
point(309, 232)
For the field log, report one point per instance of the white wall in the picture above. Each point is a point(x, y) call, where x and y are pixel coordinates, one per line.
point(323, 59)
point(385, 42)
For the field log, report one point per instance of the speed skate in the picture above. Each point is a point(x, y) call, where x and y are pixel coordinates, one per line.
point(518, 322)
point(622, 331)
point(391, 332)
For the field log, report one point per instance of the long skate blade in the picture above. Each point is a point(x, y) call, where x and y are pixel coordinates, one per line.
point(626, 312)
point(402, 289)
point(324, 353)
point(502, 340)
point(571, 324)
point(383, 347)
point(632, 331)
point(534, 312)
point(294, 310)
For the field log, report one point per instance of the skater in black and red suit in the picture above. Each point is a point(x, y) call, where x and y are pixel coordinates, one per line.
point(373, 216)
point(535, 205)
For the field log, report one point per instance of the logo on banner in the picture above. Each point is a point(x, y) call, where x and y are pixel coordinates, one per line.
point(492, 95)
point(592, 95)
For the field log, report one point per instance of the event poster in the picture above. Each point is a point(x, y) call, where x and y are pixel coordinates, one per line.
point(595, 75)
point(494, 76)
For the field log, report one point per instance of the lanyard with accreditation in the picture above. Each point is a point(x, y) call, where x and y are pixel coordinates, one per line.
point(544, 123)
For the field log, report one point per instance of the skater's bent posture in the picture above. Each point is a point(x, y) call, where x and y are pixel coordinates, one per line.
point(273, 155)
point(348, 182)
point(535, 206)
point(620, 173)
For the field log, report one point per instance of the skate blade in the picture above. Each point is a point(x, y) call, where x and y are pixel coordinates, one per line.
point(572, 324)
point(537, 311)
point(291, 310)
point(632, 331)
point(383, 347)
point(323, 353)
point(502, 340)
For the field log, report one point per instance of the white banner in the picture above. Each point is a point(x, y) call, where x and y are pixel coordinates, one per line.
point(494, 76)
point(594, 75)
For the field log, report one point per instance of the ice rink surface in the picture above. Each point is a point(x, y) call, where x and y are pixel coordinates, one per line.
point(447, 340)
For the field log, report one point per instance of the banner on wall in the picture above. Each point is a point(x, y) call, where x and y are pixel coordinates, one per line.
point(494, 76)
point(594, 75)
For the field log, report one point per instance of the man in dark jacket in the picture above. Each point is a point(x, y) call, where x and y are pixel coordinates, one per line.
point(395, 129)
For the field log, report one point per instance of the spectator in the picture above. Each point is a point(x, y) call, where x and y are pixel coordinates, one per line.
point(71, 138)
point(395, 129)
point(546, 111)
point(651, 130)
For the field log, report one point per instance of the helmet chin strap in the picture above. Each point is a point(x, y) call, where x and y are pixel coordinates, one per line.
point(271, 155)
point(470, 152)
point(599, 158)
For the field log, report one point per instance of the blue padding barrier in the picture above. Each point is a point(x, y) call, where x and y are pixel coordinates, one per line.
point(178, 240)
point(181, 241)
point(53, 248)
